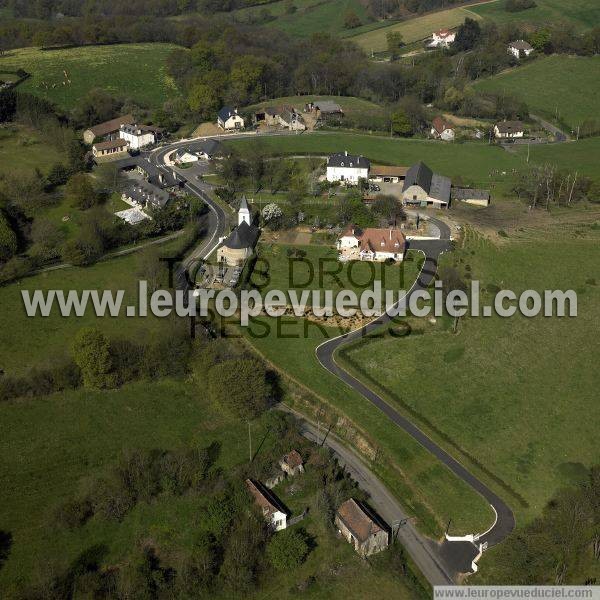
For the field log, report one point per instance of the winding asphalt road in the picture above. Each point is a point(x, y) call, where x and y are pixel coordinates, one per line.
point(432, 249)
point(440, 564)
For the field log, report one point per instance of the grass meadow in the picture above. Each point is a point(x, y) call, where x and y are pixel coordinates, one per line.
point(135, 71)
point(412, 30)
point(519, 393)
point(581, 14)
point(573, 97)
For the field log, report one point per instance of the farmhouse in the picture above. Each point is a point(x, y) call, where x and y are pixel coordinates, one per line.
point(211, 149)
point(292, 463)
point(228, 119)
point(423, 187)
point(441, 129)
point(238, 246)
point(325, 108)
point(387, 174)
point(509, 130)
point(146, 195)
point(273, 510)
point(109, 130)
point(362, 528)
point(138, 136)
point(183, 156)
point(371, 244)
point(268, 115)
point(347, 168)
point(110, 150)
point(442, 38)
point(520, 48)
point(290, 119)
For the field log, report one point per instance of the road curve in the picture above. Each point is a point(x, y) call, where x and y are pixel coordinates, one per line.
point(432, 249)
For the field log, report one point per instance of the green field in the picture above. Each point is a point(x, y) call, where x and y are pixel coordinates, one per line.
point(474, 162)
point(582, 14)
point(135, 71)
point(26, 342)
point(350, 104)
point(412, 30)
point(518, 393)
point(23, 150)
point(311, 16)
point(573, 96)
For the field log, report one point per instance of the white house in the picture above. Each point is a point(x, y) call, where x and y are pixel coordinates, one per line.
point(183, 156)
point(347, 168)
point(442, 38)
point(509, 130)
point(228, 118)
point(273, 511)
point(372, 244)
point(520, 48)
point(137, 136)
point(442, 129)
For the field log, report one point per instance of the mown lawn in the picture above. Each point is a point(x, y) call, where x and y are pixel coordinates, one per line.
point(519, 394)
point(582, 14)
point(573, 97)
point(135, 71)
point(412, 30)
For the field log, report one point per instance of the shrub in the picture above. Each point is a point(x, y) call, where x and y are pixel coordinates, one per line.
point(287, 549)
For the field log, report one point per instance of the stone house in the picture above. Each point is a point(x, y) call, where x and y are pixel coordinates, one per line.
point(362, 528)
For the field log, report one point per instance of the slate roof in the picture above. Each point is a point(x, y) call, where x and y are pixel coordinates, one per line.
point(212, 147)
point(243, 236)
point(226, 112)
point(157, 177)
point(343, 159)
point(244, 204)
point(419, 174)
point(111, 126)
point(359, 520)
point(470, 194)
point(440, 188)
point(135, 129)
point(145, 193)
point(327, 106)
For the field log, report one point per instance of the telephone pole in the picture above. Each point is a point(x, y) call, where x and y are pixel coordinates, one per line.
point(249, 442)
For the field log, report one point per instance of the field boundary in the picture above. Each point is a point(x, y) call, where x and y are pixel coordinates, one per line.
point(358, 371)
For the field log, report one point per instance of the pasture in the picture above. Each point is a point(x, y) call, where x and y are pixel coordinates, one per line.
point(581, 14)
point(412, 30)
point(573, 96)
point(310, 16)
point(518, 393)
point(135, 71)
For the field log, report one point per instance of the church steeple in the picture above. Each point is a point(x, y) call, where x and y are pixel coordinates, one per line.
point(244, 212)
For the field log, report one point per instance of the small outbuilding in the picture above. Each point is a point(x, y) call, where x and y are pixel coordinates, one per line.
point(441, 129)
point(362, 528)
point(520, 48)
point(292, 463)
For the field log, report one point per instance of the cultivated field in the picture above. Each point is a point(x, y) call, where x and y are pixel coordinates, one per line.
point(135, 71)
point(518, 394)
point(573, 96)
point(582, 14)
point(412, 30)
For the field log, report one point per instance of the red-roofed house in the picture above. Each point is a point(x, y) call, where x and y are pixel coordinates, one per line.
point(273, 511)
point(442, 129)
point(292, 463)
point(442, 38)
point(373, 244)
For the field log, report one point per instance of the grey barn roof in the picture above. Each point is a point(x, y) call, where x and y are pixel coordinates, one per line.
point(440, 188)
point(470, 194)
point(328, 106)
point(212, 147)
point(419, 174)
point(243, 236)
point(146, 193)
point(343, 159)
